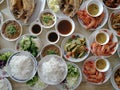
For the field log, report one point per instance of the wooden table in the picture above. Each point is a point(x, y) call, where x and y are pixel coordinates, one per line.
point(114, 60)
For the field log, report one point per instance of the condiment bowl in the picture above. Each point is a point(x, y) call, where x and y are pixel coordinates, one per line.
point(14, 68)
point(52, 69)
point(102, 64)
point(94, 8)
point(52, 37)
point(65, 26)
point(35, 28)
point(102, 38)
point(47, 18)
point(11, 30)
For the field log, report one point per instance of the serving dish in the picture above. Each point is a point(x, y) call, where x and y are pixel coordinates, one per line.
point(39, 6)
point(7, 84)
point(114, 22)
point(75, 47)
point(106, 50)
point(115, 78)
point(30, 43)
point(21, 66)
point(96, 22)
point(92, 75)
point(73, 79)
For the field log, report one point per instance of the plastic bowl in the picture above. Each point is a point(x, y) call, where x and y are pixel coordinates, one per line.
point(31, 74)
point(47, 11)
point(98, 4)
point(11, 23)
point(52, 69)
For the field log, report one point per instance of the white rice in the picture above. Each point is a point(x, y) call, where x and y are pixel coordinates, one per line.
point(21, 67)
point(53, 70)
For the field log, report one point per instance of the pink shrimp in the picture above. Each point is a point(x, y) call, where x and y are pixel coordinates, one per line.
point(92, 23)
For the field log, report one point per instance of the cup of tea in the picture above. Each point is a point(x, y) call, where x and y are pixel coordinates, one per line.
point(65, 26)
point(52, 37)
point(35, 28)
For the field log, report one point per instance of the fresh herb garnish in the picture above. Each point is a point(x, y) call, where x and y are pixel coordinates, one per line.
point(33, 81)
point(51, 52)
point(11, 29)
point(46, 19)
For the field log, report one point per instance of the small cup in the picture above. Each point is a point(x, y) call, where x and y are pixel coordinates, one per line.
point(102, 38)
point(52, 37)
point(35, 28)
point(65, 26)
point(92, 5)
point(102, 65)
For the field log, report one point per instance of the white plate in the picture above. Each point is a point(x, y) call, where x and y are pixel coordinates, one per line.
point(60, 14)
point(8, 83)
point(92, 39)
point(112, 77)
point(107, 74)
point(109, 21)
point(82, 7)
point(71, 58)
point(62, 86)
point(40, 5)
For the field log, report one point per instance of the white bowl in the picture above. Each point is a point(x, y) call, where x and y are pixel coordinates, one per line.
point(112, 77)
point(2, 33)
point(50, 12)
point(63, 85)
point(52, 69)
point(31, 74)
point(109, 22)
point(31, 26)
point(47, 47)
point(71, 22)
point(118, 7)
point(53, 37)
point(97, 3)
point(106, 67)
point(106, 35)
point(70, 58)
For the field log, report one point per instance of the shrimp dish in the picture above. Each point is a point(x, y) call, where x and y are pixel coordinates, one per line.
point(91, 73)
point(89, 21)
point(104, 50)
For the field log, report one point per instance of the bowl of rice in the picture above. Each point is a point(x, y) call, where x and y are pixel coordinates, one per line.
point(52, 69)
point(21, 66)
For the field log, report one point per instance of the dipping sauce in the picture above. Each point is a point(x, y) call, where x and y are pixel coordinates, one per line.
point(64, 27)
point(93, 9)
point(101, 38)
point(100, 64)
point(36, 29)
point(52, 37)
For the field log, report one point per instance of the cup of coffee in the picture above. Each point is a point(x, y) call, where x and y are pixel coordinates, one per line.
point(35, 28)
point(52, 37)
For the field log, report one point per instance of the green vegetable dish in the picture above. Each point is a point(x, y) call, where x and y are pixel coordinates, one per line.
point(36, 83)
point(72, 79)
point(30, 44)
point(75, 47)
point(47, 19)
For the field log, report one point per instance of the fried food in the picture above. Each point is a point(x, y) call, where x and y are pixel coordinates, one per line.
point(70, 7)
point(22, 9)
